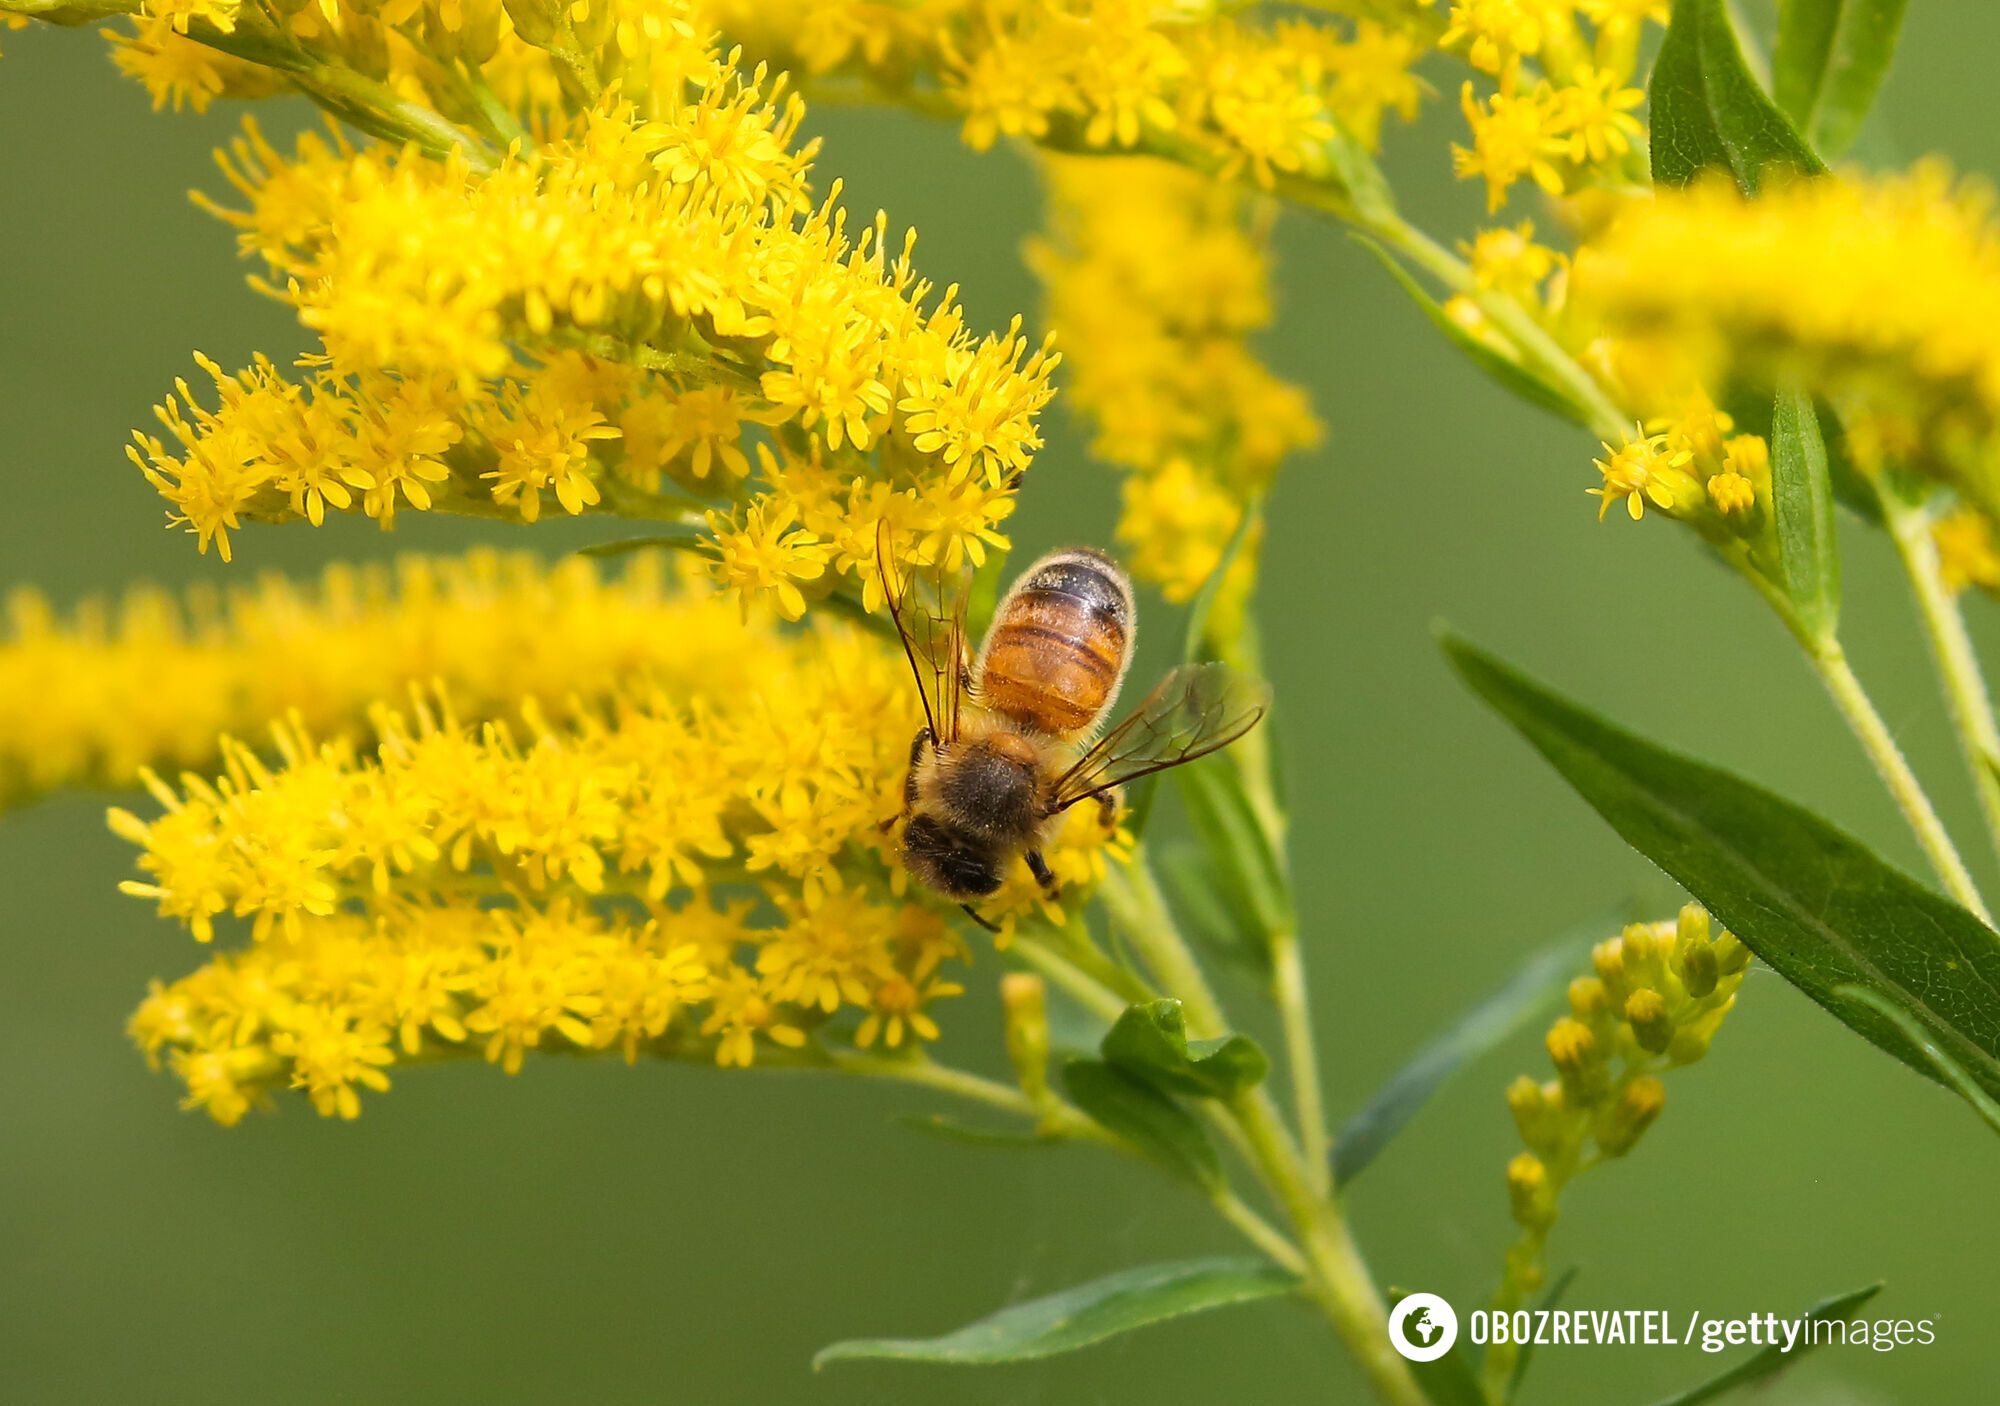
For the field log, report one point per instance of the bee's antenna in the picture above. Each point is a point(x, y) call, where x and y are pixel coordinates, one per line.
point(973, 913)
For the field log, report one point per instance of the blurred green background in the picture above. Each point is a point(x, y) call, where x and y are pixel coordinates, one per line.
point(670, 1234)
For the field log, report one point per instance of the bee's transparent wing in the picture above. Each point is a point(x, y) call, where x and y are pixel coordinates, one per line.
point(1197, 709)
point(928, 606)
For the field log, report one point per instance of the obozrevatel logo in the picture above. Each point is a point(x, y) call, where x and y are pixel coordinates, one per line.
point(1422, 1327)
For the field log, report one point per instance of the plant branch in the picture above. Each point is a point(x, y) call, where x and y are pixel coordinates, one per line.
point(1829, 661)
point(1951, 648)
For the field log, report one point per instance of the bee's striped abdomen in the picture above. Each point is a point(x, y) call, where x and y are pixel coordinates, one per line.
point(1059, 644)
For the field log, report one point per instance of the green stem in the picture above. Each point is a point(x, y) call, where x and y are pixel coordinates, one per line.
point(1288, 990)
point(1951, 647)
point(1829, 661)
point(1538, 349)
point(1337, 1279)
point(1059, 1119)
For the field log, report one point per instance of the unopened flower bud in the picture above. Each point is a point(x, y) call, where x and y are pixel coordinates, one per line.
point(1626, 1117)
point(1528, 1191)
point(1691, 927)
point(1578, 1060)
point(1646, 1011)
point(1731, 956)
point(1537, 1110)
point(1699, 969)
point(1024, 1003)
point(1588, 999)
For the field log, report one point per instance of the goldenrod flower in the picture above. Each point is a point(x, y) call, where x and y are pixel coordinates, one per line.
point(1645, 467)
point(697, 865)
point(1111, 74)
point(1658, 993)
point(1878, 293)
point(1156, 284)
point(1967, 553)
point(658, 272)
point(154, 680)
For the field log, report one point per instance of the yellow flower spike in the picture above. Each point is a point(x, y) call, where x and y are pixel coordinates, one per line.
point(1158, 349)
point(1873, 290)
point(1671, 986)
point(510, 888)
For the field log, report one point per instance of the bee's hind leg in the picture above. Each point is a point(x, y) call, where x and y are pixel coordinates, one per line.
point(1044, 876)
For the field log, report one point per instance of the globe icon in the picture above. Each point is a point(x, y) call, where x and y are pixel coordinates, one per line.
point(1423, 1327)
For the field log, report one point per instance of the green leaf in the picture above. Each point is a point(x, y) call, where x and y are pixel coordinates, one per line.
point(1831, 58)
point(1802, 495)
point(1150, 1042)
point(1773, 1360)
point(677, 537)
point(1510, 374)
point(1708, 112)
point(1532, 988)
point(1810, 900)
point(1948, 1069)
point(1086, 1314)
point(1145, 1116)
point(950, 1129)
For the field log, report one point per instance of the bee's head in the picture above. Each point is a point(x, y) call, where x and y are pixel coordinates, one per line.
point(948, 860)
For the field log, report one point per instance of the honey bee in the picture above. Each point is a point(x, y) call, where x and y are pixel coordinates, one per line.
point(1010, 737)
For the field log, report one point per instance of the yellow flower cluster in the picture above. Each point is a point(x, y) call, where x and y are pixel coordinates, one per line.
point(1561, 110)
point(1657, 996)
point(153, 680)
point(1690, 465)
point(1109, 74)
point(698, 865)
point(1156, 281)
point(1879, 293)
point(644, 312)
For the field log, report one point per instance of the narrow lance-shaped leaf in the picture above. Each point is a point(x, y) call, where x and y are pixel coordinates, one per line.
point(1150, 1042)
point(1708, 113)
point(1831, 58)
point(1802, 497)
point(1533, 987)
point(1810, 900)
point(1086, 1314)
point(1775, 1359)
